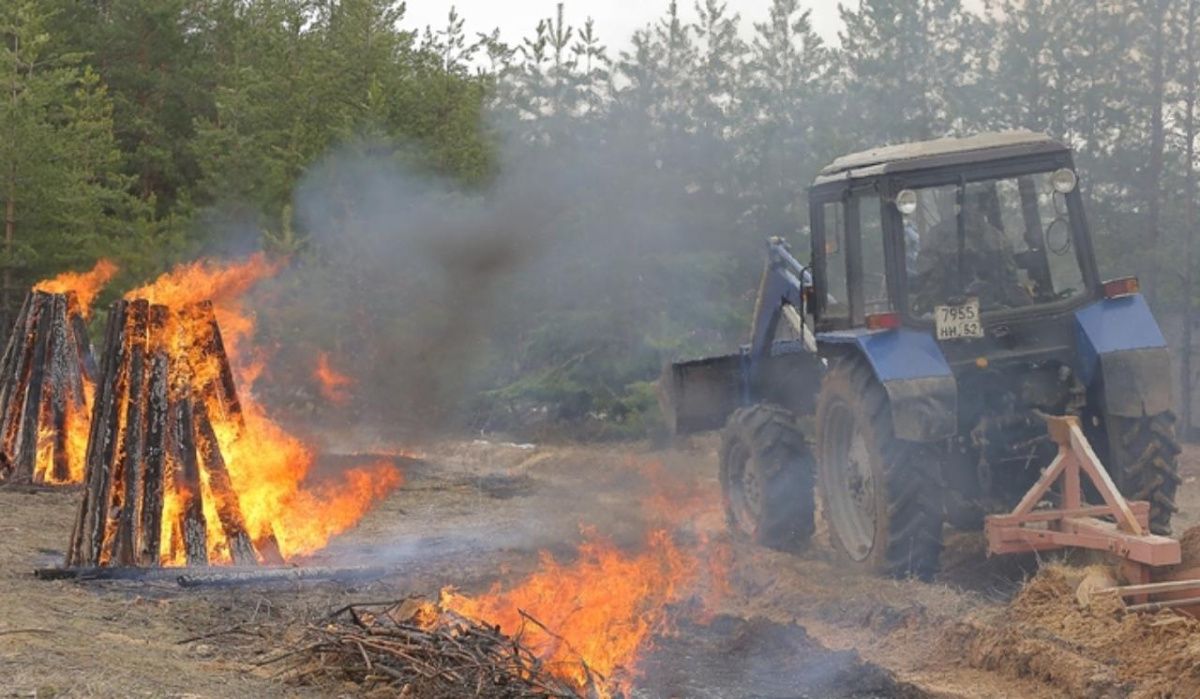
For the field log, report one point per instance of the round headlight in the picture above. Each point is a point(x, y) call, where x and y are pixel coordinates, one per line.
point(1064, 180)
point(906, 202)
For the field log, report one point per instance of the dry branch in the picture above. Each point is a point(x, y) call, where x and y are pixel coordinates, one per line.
point(416, 648)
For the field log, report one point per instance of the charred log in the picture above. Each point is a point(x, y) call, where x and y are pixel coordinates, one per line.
point(155, 461)
point(43, 372)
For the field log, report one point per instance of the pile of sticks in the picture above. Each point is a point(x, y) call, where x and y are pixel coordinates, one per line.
point(166, 379)
point(415, 648)
point(45, 367)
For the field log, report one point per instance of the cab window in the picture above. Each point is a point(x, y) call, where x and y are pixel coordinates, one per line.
point(836, 298)
point(875, 290)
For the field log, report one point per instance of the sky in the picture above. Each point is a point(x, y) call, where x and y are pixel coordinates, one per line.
point(616, 20)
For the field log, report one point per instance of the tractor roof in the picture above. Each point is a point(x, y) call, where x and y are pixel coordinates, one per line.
point(940, 152)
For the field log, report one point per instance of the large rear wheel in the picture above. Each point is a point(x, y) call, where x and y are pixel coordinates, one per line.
point(882, 496)
point(1145, 463)
point(767, 477)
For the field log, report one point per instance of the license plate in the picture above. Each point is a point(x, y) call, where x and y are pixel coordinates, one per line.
point(958, 322)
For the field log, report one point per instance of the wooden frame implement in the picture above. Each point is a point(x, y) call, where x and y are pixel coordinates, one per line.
point(1077, 524)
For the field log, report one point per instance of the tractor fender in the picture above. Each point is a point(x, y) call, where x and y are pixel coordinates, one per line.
point(1120, 344)
point(921, 389)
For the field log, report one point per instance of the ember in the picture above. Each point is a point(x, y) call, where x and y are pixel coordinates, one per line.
point(46, 382)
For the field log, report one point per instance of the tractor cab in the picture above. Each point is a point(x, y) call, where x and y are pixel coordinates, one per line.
point(951, 235)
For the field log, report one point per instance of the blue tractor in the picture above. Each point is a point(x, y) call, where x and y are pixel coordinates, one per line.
point(951, 301)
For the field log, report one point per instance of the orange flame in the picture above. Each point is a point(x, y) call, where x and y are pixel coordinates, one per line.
point(86, 285)
point(602, 609)
point(334, 385)
point(268, 466)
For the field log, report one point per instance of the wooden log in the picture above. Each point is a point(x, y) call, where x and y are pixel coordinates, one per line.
point(61, 466)
point(10, 347)
point(83, 344)
point(79, 553)
point(229, 511)
point(156, 441)
point(31, 412)
point(267, 547)
point(195, 536)
point(77, 353)
point(128, 471)
point(105, 432)
point(59, 389)
point(258, 576)
point(211, 348)
point(14, 346)
point(15, 401)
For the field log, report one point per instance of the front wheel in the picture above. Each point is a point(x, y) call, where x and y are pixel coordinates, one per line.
point(767, 477)
point(882, 495)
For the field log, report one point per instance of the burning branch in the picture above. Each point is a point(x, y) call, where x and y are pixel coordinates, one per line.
point(418, 648)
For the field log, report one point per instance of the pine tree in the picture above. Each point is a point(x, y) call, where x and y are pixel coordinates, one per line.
point(63, 195)
point(789, 120)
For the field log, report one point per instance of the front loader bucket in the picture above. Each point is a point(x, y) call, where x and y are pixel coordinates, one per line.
point(700, 395)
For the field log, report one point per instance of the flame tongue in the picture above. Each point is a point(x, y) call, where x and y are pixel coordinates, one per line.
point(334, 385)
point(86, 285)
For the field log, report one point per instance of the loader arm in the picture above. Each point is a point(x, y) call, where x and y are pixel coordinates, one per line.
point(782, 295)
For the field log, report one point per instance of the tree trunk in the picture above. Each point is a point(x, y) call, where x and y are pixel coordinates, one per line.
point(1157, 140)
point(1189, 267)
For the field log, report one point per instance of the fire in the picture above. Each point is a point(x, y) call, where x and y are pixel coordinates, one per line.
point(224, 285)
point(86, 285)
point(267, 466)
point(601, 610)
point(334, 385)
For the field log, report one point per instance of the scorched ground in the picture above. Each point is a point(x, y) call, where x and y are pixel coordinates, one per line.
point(484, 518)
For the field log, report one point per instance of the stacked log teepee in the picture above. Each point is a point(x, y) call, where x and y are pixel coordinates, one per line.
point(153, 456)
point(46, 376)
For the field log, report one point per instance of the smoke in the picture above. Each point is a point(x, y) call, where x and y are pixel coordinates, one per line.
point(577, 271)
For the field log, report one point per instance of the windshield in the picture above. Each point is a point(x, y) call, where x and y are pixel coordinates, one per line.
point(1011, 247)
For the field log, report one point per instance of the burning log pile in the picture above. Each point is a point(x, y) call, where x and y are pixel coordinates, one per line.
point(46, 379)
point(156, 477)
point(417, 648)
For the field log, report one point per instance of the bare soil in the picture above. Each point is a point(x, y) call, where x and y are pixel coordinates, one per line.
point(472, 513)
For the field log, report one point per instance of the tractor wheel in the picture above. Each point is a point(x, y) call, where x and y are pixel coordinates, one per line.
point(882, 496)
point(1145, 463)
point(767, 477)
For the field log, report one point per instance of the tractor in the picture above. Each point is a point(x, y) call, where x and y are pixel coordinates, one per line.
point(950, 305)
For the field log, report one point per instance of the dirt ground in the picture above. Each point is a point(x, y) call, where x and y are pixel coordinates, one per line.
point(472, 513)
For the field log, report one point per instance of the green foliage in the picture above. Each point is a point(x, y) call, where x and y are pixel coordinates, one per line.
point(539, 226)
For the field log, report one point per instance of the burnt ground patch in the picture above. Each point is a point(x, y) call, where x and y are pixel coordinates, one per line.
point(733, 657)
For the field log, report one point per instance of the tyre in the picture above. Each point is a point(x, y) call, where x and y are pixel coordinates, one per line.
point(766, 477)
point(882, 496)
point(1144, 460)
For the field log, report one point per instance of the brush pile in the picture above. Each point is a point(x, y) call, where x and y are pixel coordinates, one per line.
point(416, 648)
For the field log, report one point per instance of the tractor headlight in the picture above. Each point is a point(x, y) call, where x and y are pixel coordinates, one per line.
point(1064, 180)
point(906, 202)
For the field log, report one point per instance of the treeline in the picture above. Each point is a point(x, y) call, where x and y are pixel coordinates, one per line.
point(514, 234)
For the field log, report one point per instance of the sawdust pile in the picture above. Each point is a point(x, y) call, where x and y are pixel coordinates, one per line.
point(1094, 651)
